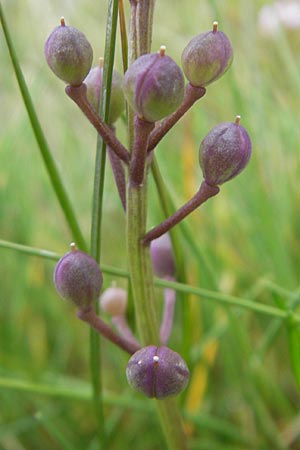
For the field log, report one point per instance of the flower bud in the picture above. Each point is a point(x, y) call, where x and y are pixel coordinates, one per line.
point(93, 83)
point(113, 301)
point(157, 372)
point(77, 278)
point(224, 152)
point(162, 257)
point(68, 54)
point(154, 86)
point(207, 57)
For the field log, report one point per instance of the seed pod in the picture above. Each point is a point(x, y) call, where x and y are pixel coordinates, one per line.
point(162, 257)
point(157, 372)
point(154, 86)
point(77, 278)
point(68, 54)
point(207, 57)
point(93, 83)
point(224, 152)
point(113, 301)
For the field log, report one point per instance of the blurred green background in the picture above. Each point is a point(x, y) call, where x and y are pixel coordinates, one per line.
point(242, 393)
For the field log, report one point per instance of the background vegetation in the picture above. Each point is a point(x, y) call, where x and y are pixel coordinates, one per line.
point(245, 242)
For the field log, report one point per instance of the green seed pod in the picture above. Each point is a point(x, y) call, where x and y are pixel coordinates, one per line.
point(93, 83)
point(154, 86)
point(224, 152)
point(68, 54)
point(77, 278)
point(207, 57)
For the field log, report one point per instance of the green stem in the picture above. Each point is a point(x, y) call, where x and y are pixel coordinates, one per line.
point(47, 157)
point(138, 255)
point(140, 266)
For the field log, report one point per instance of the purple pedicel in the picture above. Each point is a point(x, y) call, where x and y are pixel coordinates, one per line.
point(224, 152)
point(157, 372)
point(207, 57)
point(154, 86)
point(77, 278)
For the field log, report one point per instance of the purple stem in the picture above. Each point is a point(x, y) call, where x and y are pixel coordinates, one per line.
point(142, 130)
point(168, 313)
point(122, 326)
point(192, 94)
point(118, 173)
point(204, 193)
point(90, 317)
point(78, 95)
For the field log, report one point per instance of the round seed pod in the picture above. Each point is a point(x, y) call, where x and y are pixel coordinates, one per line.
point(157, 372)
point(154, 86)
point(224, 152)
point(77, 278)
point(162, 257)
point(93, 83)
point(69, 54)
point(113, 301)
point(207, 57)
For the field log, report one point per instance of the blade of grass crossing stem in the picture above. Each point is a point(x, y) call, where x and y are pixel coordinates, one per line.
point(51, 168)
point(215, 296)
point(95, 353)
point(123, 33)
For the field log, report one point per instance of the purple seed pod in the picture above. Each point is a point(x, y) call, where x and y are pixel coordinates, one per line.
point(113, 301)
point(207, 57)
point(224, 152)
point(93, 83)
point(77, 278)
point(154, 86)
point(68, 54)
point(157, 372)
point(162, 257)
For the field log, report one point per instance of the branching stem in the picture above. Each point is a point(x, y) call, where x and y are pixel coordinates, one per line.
point(192, 94)
point(78, 95)
point(204, 193)
point(90, 317)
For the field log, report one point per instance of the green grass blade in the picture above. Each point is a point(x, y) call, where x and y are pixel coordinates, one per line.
point(49, 162)
point(95, 250)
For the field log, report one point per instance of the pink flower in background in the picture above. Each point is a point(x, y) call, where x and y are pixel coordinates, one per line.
point(285, 13)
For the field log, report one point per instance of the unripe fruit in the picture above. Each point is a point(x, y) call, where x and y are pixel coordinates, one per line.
point(157, 372)
point(224, 152)
point(93, 83)
point(113, 301)
point(68, 54)
point(162, 257)
point(77, 278)
point(154, 86)
point(207, 57)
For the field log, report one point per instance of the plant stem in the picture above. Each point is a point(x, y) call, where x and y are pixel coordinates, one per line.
point(168, 314)
point(78, 95)
point(192, 94)
point(140, 266)
point(138, 255)
point(121, 324)
point(204, 193)
point(144, 20)
point(90, 317)
point(139, 152)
